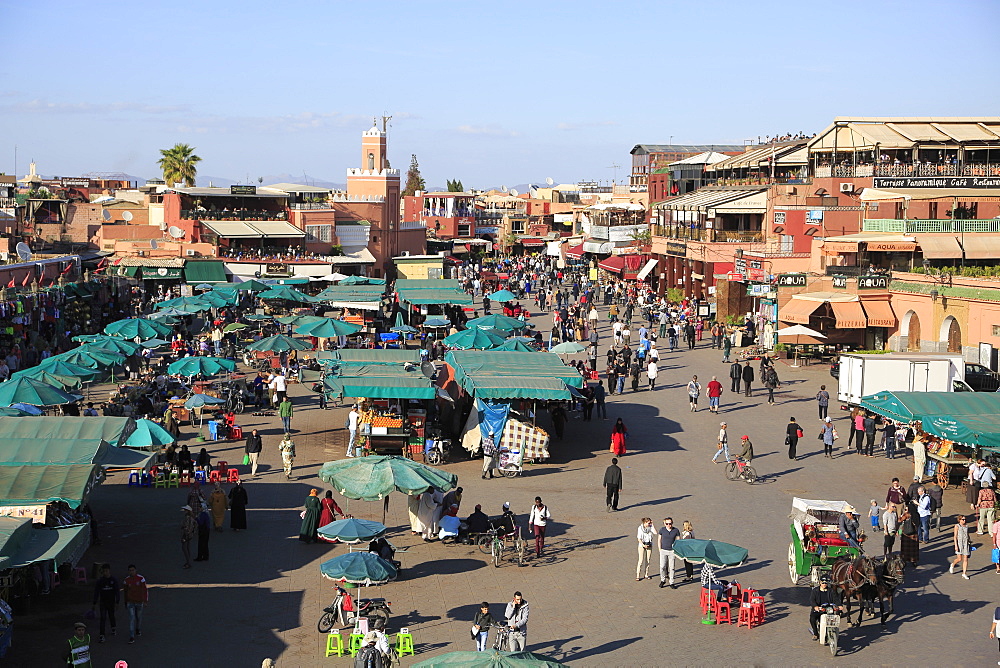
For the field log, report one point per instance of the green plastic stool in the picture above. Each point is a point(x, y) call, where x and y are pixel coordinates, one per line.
point(334, 645)
point(161, 481)
point(356, 643)
point(404, 643)
point(174, 480)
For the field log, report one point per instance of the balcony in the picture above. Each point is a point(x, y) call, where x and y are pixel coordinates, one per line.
point(923, 169)
point(309, 206)
point(500, 213)
point(441, 211)
point(238, 214)
point(709, 236)
point(916, 226)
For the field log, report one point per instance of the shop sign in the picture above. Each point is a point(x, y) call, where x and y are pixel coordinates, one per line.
point(873, 282)
point(734, 277)
point(792, 280)
point(758, 289)
point(840, 281)
point(242, 190)
point(755, 274)
point(276, 268)
point(487, 230)
point(36, 513)
point(779, 217)
point(75, 183)
point(892, 246)
point(936, 182)
point(740, 264)
point(678, 248)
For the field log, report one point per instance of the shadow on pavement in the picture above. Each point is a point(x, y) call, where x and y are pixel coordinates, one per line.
point(442, 567)
point(600, 649)
point(654, 503)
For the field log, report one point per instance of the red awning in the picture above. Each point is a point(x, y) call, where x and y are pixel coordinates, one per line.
point(614, 264)
point(634, 262)
point(532, 241)
point(575, 251)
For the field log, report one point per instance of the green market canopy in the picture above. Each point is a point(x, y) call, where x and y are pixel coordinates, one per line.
point(205, 271)
point(910, 406)
point(481, 364)
point(114, 430)
point(432, 291)
point(40, 484)
point(22, 544)
point(41, 451)
point(374, 477)
point(379, 381)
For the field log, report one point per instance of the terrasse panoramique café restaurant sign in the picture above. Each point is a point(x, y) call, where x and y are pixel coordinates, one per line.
point(936, 182)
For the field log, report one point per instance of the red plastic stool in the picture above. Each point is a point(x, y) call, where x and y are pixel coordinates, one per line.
point(746, 617)
point(706, 599)
point(80, 575)
point(223, 466)
point(723, 614)
point(236, 433)
point(214, 476)
point(185, 478)
point(233, 476)
point(757, 609)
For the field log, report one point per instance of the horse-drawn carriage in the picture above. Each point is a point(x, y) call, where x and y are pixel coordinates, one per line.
point(816, 541)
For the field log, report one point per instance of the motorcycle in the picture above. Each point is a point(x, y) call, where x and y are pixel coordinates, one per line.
point(439, 449)
point(829, 627)
point(346, 611)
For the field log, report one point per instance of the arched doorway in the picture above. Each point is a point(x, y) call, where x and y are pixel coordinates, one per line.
point(911, 324)
point(952, 333)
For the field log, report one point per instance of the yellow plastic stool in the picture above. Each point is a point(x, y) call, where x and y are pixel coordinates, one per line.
point(334, 645)
point(404, 643)
point(356, 643)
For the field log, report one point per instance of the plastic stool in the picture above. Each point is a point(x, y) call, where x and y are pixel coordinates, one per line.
point(236, 433)
point(214, 476)
point(404, 643)
point(200, 476)
point(356, 642)
point(80, 575)
point(161, 481)
point(334, 645)
point(723, 613)
point(185, 478)
point(706, 599)
point(174, 480)
point(145, 480)
point(234, 475)
point(746, 617)
point(223, 467)
point(133, 479)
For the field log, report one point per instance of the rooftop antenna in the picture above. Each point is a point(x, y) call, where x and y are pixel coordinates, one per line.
point(127, 216)
point(106, 215)
point(549, 180)
point(23, 251)
point(615, 166)
point(175, 232)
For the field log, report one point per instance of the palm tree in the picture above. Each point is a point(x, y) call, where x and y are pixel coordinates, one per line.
point(179, 164)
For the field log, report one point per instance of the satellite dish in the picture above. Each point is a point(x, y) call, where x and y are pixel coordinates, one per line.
point(503, 189)
point(549, 180)
point(23, 251)
point(127, 216)
point(513, 193)
point(106, 215)
point(175, 232)
point(153, 244)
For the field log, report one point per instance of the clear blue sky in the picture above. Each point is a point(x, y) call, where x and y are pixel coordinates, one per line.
point(505, 95)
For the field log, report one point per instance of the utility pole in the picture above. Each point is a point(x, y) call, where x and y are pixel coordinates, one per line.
point(615, 166)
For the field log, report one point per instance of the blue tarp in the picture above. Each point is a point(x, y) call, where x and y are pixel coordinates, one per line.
point(492, 417)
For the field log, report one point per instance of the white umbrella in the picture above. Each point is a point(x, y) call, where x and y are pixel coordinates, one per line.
point(329, 277)
point(797, 331)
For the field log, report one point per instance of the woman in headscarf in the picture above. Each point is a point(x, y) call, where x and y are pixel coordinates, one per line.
point(413, 510)
point(328, 509)
point(219, 504)
point(618, 437)
point(426, 514)
point(310, 518)
point(238, 506)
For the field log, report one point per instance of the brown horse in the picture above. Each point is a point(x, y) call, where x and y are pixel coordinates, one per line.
point(889, 575)
point(855, 580)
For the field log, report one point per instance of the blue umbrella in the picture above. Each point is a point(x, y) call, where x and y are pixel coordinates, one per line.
point(353, 530)
point(203, 286)
point(28, 408)
point(437, 322)
point(502, 296)
point(364, 568)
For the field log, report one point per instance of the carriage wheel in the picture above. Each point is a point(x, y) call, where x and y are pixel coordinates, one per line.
point(792, 570)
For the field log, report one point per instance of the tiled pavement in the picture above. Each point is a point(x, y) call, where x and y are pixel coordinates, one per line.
point(261, 593)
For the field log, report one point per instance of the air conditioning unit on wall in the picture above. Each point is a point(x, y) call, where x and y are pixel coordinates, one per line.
point(846, 187)
point(190, 252)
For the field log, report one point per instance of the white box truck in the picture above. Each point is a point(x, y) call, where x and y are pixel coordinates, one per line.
point(861, 375)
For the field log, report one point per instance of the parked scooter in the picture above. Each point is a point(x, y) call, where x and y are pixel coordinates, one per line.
point(345, 611)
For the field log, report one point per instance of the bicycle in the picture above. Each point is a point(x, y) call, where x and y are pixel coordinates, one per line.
point(493, 544)
point(502, 634)
point(739, 468)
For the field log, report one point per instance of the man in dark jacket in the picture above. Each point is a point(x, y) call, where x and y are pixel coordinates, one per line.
point(613, 483)
point(253, 447)
point(821, 597)
point(747, 379)
point(735, 374)
point(792, 432)
point(869, 435)
point(106, 594)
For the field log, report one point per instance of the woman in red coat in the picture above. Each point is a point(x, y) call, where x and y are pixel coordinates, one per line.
point(618, 437)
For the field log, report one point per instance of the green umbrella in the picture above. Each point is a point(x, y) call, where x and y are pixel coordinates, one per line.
point(567, 348)
point(199, 400)
point(299, 319)
point(286, 293)
point(497, 321)
point(713, 552)
point(148, 434)
point(437, 322)
point(54, 379)
point(219, 299)
point(93, 358)
point(235, 327)
point(364, 568)
point(253, 286)
point(188, 304)
point(473, 339)
point(204, 366)
point(489, 659)
point(258, 316)
point(112, 343)
point(168, 312)
point(352, 530)
point(401, 327)
point(279, 343)
point(141, 328)
point(154, 343)
point(97, 348)
point(64, 368)
point(25, 390)
point(374, 477)
point(328, 328)
point(502, 296)
point(516, 345)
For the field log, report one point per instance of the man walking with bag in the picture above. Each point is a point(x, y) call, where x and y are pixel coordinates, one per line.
point(253, 448)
